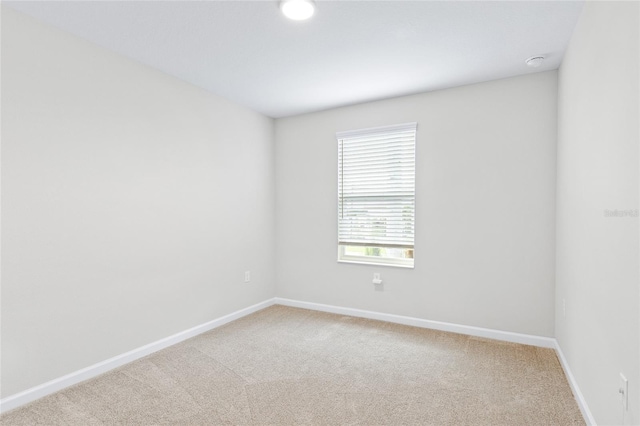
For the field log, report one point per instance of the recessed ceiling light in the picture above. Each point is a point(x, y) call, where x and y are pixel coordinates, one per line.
point(298, 10)
point(534, 61)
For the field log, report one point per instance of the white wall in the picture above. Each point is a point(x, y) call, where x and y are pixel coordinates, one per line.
point(485, 207)
point(132, 204)
point(597, 256)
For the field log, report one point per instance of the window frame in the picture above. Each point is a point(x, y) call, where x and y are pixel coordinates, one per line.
point(375, 260)
point(342, 257)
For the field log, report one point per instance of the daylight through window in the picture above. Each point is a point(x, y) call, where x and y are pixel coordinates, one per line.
point(376, 195)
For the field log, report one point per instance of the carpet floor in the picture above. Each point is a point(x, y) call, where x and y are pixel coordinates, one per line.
point(288, 366)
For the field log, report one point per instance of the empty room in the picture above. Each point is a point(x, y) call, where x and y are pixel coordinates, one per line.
point(314, 212)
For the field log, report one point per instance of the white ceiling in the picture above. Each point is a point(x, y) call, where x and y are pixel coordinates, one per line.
point(349, 52)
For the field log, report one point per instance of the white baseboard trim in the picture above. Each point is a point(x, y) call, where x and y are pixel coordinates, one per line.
point(506, 336)
point(37, 392)
point(582, 403)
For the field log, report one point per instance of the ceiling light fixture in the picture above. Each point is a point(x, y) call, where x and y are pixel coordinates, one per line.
point(298, 10)
point(534, 61)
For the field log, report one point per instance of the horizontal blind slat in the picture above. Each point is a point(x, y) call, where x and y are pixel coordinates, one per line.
point(376, 187)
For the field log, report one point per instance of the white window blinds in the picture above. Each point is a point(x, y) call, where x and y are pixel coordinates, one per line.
point(376, 186)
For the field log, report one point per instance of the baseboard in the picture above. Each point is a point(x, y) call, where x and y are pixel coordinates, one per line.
point(37, 392)
point(506, 336)
point(582, 403)
point(527, 339)
point(76, 377)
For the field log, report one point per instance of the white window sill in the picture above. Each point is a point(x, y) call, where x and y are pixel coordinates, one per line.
point(363, 262)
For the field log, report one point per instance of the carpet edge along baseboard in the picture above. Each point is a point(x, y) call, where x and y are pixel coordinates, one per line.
point(14, 401)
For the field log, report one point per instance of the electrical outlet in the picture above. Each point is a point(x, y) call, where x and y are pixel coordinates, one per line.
point(247, 276)
point(377, 282)
point(624, 391)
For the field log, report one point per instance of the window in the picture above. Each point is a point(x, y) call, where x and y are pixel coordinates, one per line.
point(376, 195)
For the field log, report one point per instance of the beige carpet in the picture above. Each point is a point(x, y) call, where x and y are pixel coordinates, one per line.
point(287, 366)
